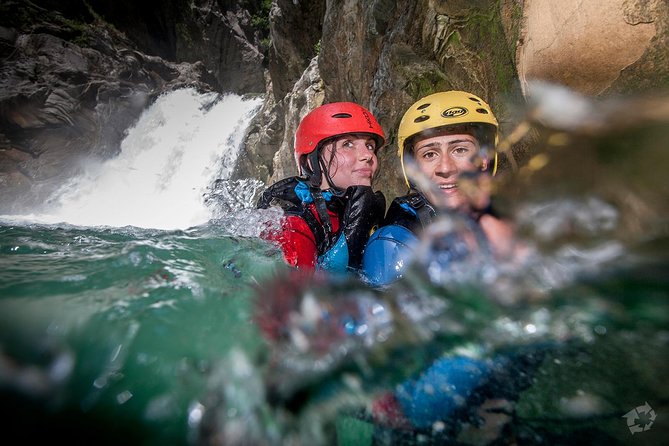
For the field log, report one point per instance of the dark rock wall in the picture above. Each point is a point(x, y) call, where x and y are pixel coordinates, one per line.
point(295, 29)
point(69, 88)
point(225, 37)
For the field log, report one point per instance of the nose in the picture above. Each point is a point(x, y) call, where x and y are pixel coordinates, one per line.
point(364, 154)
point(446, 166)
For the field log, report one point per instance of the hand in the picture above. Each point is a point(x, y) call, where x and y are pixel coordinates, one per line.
point(364, 210)
point(477, 189)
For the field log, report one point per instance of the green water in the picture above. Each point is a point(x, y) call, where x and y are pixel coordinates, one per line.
point(115, 332)
point(134, 336)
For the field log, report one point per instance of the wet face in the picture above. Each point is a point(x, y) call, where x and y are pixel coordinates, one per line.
point(444, 158)
point(350, 160)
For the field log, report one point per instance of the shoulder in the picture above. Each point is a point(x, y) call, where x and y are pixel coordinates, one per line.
point(397, 234)
point(388, 253)
point(403, 211)
point(283, 193)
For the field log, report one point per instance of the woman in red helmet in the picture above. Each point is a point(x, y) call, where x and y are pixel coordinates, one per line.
point(330, 208)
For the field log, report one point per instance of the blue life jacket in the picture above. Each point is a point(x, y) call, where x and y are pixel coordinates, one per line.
point(391, 248)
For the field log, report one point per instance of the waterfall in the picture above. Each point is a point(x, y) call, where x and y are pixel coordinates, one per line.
point(181, 144)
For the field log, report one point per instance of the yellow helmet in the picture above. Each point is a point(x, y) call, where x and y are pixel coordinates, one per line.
point(446, 109)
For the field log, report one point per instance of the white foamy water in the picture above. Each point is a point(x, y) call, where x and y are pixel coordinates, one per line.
point(180, 144)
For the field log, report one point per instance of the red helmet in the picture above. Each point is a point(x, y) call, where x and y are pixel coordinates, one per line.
point(334, 119)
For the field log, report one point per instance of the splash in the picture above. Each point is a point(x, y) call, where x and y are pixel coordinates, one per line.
point(179, 146)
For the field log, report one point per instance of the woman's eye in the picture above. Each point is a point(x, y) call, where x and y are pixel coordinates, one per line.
point(371, 146)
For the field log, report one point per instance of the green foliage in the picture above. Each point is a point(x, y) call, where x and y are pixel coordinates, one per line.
point(317, 47)
point(486, 36)
point(101, 21)
point(26, 16)
point(427, 83)
point(260, 18)
point(93, 13)
point(83, 40)
point(265, 44)
point(260, 22)
point(516, 20)
point(74, 25)
point(454, 39)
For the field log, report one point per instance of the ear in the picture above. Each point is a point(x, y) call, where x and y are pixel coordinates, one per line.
point(484, 164)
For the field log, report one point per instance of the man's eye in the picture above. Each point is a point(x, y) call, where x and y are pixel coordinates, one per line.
point(460, 151)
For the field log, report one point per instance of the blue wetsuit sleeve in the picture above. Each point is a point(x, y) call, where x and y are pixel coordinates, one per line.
point(388, 252)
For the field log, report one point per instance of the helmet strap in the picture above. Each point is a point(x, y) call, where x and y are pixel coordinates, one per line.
point(322, 210)
point(312, 169)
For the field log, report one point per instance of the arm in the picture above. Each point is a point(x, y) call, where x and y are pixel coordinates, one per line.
point(502, 239)
point(442, 392)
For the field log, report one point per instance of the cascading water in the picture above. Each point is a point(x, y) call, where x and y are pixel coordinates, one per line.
point(179, 146)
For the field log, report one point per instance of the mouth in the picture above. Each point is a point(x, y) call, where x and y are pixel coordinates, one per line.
point(364, 172)
point(447, 187)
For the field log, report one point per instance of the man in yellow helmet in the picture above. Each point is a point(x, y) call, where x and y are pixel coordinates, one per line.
point(447, 151)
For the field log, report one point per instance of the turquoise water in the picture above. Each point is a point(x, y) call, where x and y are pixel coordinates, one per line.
point(120, 334)
point(149, 337)
point(124, 328)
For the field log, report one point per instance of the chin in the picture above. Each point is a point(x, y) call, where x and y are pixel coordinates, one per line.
point(454, 203)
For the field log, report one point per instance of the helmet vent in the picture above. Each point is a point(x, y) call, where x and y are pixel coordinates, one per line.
point(477, 100)
point(483, 111)
point(421, 118)
point(342, 115)
point(423, 106)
